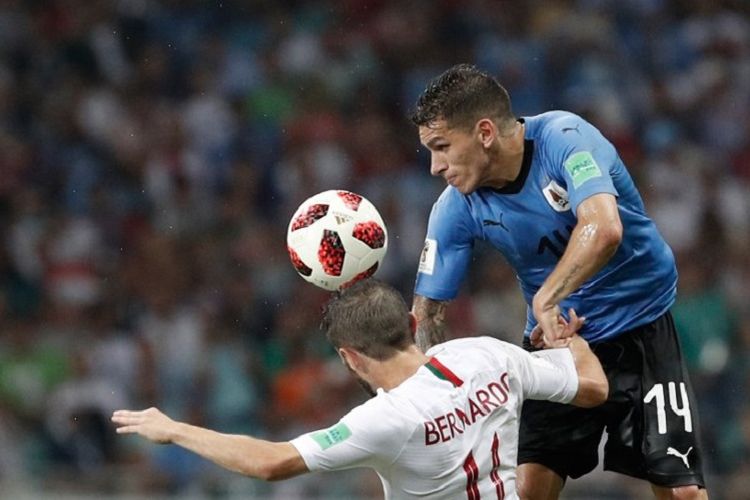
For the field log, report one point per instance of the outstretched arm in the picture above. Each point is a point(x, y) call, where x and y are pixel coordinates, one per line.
point(431, 328)
point(594, 241)
point(244, 454)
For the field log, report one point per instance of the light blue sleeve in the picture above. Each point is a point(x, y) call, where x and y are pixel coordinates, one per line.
point(583, 158)
point(448, 247)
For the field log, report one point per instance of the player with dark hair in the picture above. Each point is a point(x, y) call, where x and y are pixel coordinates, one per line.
point(551, 193)
point(444, 424)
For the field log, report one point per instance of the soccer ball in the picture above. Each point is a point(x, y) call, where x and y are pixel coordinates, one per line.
point(336, 238)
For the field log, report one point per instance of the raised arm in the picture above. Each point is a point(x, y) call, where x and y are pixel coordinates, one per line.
point(594, 241)
point(244, 454)
point(431, 328)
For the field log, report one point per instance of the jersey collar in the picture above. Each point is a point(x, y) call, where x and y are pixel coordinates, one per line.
point(516, 186)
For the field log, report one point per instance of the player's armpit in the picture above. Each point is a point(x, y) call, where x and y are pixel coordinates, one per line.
point(431, 328)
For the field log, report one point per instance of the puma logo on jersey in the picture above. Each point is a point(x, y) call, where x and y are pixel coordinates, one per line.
point(556, 196)
point(682, 456)
point(575, 129)
point(499, 222)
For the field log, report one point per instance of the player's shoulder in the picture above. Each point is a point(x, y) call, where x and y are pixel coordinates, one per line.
point(465, 343)
point(468, 348)
point(383, 423)
point(553, 123)
point(450, 197)
point(452, 204)
point(388, 409)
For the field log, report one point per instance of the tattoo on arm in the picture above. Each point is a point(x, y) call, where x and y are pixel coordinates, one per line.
point(559, 293)
point(431, 326)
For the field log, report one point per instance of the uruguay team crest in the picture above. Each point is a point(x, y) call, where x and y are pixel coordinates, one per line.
point(427, 259)
point(556, 196)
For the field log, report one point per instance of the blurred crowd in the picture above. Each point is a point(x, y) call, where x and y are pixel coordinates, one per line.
point(153, 151)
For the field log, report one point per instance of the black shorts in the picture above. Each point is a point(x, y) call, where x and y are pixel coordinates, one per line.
point(650, 415)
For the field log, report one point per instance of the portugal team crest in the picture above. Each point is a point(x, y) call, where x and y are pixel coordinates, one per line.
point(556, 196)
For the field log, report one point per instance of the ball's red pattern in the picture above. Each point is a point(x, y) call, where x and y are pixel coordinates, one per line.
point(351, 200)
point(313, 213)
point(297, 262)
point(336, 238)
point(370, 233)
point(361, 276)
point(331, 253)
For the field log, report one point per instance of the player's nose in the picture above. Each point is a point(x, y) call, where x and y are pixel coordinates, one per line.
point(438, 166)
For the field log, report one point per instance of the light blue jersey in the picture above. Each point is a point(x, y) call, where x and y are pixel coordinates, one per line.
point(566, 160)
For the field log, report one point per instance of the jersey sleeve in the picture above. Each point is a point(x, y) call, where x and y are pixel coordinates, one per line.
point(583, 157)
point(371, 435)
point(448, 246)
point(548, 375)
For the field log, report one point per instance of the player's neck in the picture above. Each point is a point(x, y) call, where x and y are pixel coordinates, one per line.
point(392, 372)
point(508, 156)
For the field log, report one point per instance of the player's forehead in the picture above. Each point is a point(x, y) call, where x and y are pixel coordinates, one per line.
point(434, 131)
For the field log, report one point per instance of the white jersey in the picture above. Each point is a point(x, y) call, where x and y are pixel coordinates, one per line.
point(451, 430)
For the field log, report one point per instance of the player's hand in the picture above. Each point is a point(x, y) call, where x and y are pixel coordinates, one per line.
point(568, 329)
point(151, 424)
point(549, 321)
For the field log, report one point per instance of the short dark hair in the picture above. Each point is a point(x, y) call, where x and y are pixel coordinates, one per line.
point(371, 317)
point(462, 96)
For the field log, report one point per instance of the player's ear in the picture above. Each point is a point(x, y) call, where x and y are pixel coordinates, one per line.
point(342, 355)
point(413, 325)
point(351, 358)
point(486, 132)
point(346, 355)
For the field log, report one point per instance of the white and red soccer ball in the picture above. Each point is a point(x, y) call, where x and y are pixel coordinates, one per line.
point(336, 238)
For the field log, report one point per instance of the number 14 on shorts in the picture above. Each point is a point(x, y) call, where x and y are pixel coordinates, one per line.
point(680, 408)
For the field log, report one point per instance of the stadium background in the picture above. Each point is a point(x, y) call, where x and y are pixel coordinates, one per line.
point(151, 153)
